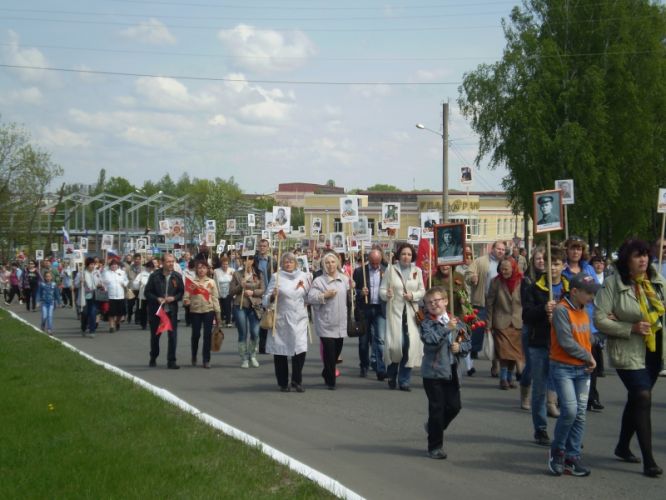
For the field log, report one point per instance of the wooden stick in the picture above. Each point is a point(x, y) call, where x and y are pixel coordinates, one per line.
point(548, 273)
point(277, 282)
point(365, 283)
point(661, 246)
point(566, 223)
point(451, 300)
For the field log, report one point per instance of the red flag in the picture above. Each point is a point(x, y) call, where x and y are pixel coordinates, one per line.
point(425, 258)
point(193, 289)
point(165, 322)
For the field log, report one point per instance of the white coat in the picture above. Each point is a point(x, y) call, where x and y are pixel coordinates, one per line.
point(394, 309)
point(291, 322)
point(329, 315)
point(115, 283)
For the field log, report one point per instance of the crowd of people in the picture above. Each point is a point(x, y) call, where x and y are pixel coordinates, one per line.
point(549, 327)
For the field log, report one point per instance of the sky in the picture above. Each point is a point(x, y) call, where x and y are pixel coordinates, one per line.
point(261, 90)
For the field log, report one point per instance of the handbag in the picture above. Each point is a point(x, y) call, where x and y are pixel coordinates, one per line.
point(267, 319)
point(488, 349)
point(218, 338)
point(101, 295)
point(356, 325)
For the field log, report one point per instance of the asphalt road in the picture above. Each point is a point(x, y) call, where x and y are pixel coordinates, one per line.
point(371, 439)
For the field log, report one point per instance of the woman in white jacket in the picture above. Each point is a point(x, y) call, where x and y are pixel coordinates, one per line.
point(115, 281)
point(288, 289)
point(402, 288)
point(139, 284)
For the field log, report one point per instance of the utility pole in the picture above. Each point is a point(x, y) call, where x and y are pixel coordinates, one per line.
point(445, 162)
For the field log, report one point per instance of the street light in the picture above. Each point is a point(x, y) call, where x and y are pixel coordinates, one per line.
point(445, 158)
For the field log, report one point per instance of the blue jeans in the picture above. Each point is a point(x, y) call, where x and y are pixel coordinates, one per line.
point(526, 375)
point(246, 321)
point(478, 333)
point(540, 363)
point(376, 334)
point(47, 316)
point(91, 315)
point(572, 384)
point(403, 373)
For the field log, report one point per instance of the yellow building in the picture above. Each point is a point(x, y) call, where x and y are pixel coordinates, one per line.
point(486, 214)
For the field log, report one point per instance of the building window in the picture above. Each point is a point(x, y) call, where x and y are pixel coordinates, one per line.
point(499, 227)
point(473, 227)
point(337, 225)
point(371, 225)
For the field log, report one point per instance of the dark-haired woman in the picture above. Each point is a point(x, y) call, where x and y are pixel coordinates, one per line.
point(629, 310)
point(402, 288)
point(247, 288)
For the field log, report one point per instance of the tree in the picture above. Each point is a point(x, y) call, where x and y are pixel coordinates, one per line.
point(383, 188)
point(330, 183)
point(580, 93)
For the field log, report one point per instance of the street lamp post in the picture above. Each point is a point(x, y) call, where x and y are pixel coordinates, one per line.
point(445, 158)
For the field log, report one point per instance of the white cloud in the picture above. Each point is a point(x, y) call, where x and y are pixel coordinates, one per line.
point(152, 31)
point(267, 51)
point(371, 91)
point(169, 93)
point(149, 137)
point(218, 120)
point(62, 137)
point(29, 95)
point(15, 55)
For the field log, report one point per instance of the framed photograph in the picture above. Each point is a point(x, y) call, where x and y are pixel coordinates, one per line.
point(165, 226)
point(338, 242)
point(178, 228)
point(413, 235)
point(141, 245)
point(302, 263)
point(465, 176)
point(177, 253)
point(211, 225)
point(352, 244)
point(548, 210)
point(231, 226)
point(390, 215)
point(268, 220)
point(361, 229)
point(250, 220)
point(349, 209)
point(210, 238)
point(428, 222)
point(321, 240)
point(83, 245)
point(301, 229)
point(231, 247)
point(54, 247)
point(68, 249)
point(107, 241)
point(281, 219)
point(249, 245)
point(661, 201)
point(39, 254)
point(450, 243)
point(315, 225)
point(265, 234)
point(567, 188)
point(77, 256)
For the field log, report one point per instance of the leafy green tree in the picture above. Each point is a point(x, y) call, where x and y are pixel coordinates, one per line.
point(383, 188)
point(580, 93)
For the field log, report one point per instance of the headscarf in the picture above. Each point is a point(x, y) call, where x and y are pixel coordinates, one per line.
point(515, 277)
point(651, 309)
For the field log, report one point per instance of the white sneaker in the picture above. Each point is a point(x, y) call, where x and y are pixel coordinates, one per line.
point(254, 362)
point(245, 364)
point(662, 373)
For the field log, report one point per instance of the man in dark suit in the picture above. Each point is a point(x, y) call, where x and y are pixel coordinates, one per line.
point(374, 313)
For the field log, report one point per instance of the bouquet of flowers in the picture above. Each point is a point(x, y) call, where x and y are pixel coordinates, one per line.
point(468, 313)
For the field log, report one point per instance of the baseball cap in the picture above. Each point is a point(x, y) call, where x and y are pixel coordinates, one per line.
point(585, 282)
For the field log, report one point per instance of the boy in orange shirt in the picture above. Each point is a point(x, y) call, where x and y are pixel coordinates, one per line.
point(571, 363)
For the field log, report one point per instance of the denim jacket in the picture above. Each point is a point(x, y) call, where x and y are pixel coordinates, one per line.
point(438, 360)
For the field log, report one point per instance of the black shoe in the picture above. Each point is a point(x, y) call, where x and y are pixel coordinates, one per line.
point(541, 438)
point(173, 366)
point(405, 388)
point(471, 371)
point(595, 406)
point(330, 387)
point(297, 387)
point(284, 388)
point(437, 454)
point(381, 377)
point(474, 355)
point(152, 363)
point(392, 384)
point(364, 372)
point(653, 471)
point(626, 456)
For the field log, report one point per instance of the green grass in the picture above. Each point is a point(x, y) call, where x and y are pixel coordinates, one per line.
point(70, 429)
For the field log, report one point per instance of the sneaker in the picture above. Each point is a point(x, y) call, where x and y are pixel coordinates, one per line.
point(245, 363)
point(471, 372)
point(541, 438)
point(437, 454)
point(556, 462)
point(254, 362)
point(574, 467)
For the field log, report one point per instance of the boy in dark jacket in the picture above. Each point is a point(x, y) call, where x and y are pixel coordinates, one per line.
point(537, 313)
point(444, 340)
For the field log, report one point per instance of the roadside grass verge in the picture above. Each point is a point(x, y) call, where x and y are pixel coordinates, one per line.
point(71, 429)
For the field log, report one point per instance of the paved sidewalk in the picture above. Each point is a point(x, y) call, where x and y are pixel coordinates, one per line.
point(370, 438)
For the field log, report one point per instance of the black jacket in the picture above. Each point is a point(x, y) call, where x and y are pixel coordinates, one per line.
point(535, 298)
point(358, 282)
point(159, 286)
